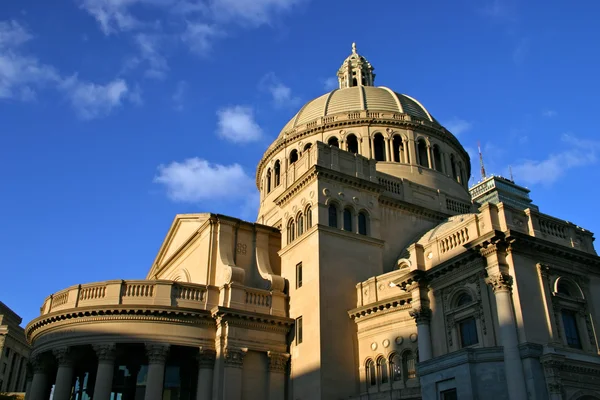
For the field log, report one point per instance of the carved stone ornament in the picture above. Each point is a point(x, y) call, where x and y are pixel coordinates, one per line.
point(399, 340)
point(234, 357)
point(421, 315)
point(326, 192)
point(38, 364)
point(206, 358)
point(105, 352)
point(278, 361)
point(500, 282)
point(157, 353)
point(64, 356)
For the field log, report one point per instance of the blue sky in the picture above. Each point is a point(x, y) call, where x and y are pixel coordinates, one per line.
point(115, 115)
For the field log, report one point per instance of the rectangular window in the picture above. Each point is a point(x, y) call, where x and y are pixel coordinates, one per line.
point(298, 275)
point(449, 394)
point(571, 331)
point(298, 330)
point(468, 332)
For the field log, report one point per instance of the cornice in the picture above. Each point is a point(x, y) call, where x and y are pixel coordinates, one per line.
point(300, 183)
point(401, 302)
point(389, 201)
point(246, 319)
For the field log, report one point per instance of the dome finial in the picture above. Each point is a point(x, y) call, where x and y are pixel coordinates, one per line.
point(353, 47)
point(355, 71)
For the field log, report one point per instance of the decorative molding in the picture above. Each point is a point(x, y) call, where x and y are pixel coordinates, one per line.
point(64, 356)
point(500, 282)
point(38, 364)
point(106, 353)
point(234, 356)
point(157, 353)
point(421, 315)
point(206, 358)
point(278, 361)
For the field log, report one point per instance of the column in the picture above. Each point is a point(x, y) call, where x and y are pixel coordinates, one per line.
point(422, 317)
point(386, 149)
point(412, 149)
point(277, 367)
point(206, 364)
point(64, 376)
point(429, 158)
point(232, 372)
point(40, 382)
point(157, 356)
point(104, 374)
point(513, 367)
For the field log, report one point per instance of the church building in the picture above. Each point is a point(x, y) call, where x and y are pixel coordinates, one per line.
point(372, 272)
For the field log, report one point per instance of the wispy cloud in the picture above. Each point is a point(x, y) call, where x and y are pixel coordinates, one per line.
point(250, 12)
point(92, 100)
point(549, 113)
point(195, 180)
point(237, 125)
point(330, 83)
point(199, 36)
point(577, 153)
point(281, 94)
point(149, 47)
point(113, 16)
point(458, 126)
point(179, 95)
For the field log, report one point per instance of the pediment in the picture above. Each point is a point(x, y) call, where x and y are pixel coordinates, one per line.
point(182, 229)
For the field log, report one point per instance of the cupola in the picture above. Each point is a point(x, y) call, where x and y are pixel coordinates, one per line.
point(355, 71)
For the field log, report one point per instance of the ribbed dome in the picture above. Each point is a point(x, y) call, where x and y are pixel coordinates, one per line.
point(356, 99)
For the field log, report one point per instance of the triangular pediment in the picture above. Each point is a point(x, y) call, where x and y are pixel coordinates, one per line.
point(183, 228)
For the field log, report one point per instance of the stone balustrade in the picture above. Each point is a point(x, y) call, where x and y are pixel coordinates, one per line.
point(162, 293)
point(559, 231)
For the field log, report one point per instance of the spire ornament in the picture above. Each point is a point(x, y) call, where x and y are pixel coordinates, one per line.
point(355, 71)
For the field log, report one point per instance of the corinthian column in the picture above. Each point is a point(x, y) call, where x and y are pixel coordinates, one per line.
point(104, 374)
point(39, 384)
point(206, 364)
point(277, 366)
point(422, 317)
point(157, 356)
point(232, 372)
point(64, 376)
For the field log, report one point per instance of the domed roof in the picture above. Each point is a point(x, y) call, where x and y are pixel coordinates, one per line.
point(355, 99)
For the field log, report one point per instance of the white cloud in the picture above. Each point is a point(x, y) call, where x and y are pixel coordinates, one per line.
point(330, 83)
point(91, 100)
point(195, 180)
point(577, 153)
point(149, 51)
point(458, 126)
point(237, 124)
point(281, 94)
point(179, 95)
point(549, 113)
point(12, 34)
point(250, 12)
point(112, 15)
point(198, 37)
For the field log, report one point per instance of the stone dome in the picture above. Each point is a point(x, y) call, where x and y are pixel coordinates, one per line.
point(356, 99)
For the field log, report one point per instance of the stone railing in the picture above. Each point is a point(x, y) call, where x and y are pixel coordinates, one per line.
point(453, 240)
point(392, 185)
point(165, 293)
point(559, 231)
point(457, 206)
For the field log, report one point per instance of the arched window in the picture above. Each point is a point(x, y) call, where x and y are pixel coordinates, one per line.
point(291, 230)
point(437, 158)
point(422, 152)
point(379, 147)
point(409, 365)
point(362, 223)
point(333, 220)
point(382, 369)
point(293, 156)
point(461, 173)
point(308, 214)
point(347, 220)
point(398, 148)
point(352, 143)
point(307, 146)
point(300, 224)
point(333, 141)
point(396, 367)
point(277, 170)
point(269, 180)
point(453, 164)
point(371, 374)
point(464, 299)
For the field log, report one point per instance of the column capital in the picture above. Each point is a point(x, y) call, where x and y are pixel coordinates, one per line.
point(543, 270)
point(105, 352)
point(278, 361)
point(38, 363)
point(206, 358)
point(421, 315)
point(234, 356)
point(64, 356)
point(157, 353)
point(500, 282)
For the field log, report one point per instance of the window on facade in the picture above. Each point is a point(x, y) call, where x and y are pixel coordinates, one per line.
point(269, 180)
point(352, 143)
point(409, 365)
point(461, 173)
point(371, 374)
point(293, 156)
point(449, 394)
point(298, 330)
point(468, 332)
point(277, 170)
point(333, 216)
point(382, 369)
point(422, 152)
point(308, 217)
point(571, 331)
point(379, 147)
point(453, 164)
point(437, 158)
point(362, 223)
point(307, 146)
point(300, 223)
point(291, 231)
point(347, 220)
point(298, 275)
point(463, 299)
point(398, 149)
point(396, 367)
point(333, 141)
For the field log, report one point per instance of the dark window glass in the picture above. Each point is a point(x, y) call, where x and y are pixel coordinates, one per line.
point(409, 364)
point(298, 330)
point(449, 394)
point(362, 224)
point(333, 141)
point(453, 164)
point(396, 367)
point(308, 217)
point(398, 147)
point(571, 331)
point(347, 220)
point(300, 224)
point(277, 170)
point(383, 370)
point(293, 156)
point(352, 143)
point(372, 378)
point(269, 181)
point(298, 275)
point(307, 146)
point(379, 147)
point(468, 332)
point(333, 216)
point(563, 288)
point(437, 158)
point(422, 151)
point(463, 299)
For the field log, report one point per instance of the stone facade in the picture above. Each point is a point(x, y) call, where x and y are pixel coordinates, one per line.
point(14, 352)
point(369, 274)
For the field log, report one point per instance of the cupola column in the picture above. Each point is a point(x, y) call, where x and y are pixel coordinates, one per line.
point(64, 376)
point(157, 356)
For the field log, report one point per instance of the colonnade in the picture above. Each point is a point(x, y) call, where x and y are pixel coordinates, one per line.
point(74, 370)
